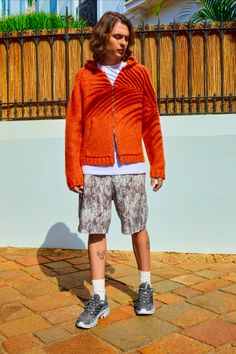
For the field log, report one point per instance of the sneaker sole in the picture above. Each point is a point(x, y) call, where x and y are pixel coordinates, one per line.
point(102, 314)
point(145, 312)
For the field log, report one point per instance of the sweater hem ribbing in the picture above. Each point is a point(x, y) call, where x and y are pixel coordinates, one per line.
point(96, 161)
point(109, 161)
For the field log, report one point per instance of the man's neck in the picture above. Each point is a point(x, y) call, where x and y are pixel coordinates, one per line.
point(111, 62)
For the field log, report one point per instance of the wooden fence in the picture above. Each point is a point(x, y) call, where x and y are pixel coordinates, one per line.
point(193, 68)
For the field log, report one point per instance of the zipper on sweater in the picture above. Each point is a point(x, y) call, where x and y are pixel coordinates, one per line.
point(113, 121)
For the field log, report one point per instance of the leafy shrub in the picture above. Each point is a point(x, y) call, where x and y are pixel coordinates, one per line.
point(38, 20)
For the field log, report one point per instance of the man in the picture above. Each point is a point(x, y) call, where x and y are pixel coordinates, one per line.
point(111, 109)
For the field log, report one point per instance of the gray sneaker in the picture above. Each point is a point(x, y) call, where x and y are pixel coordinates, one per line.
point(145, 305)
point(94, 309)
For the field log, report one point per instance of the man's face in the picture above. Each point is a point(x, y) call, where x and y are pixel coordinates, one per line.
point(117, 44)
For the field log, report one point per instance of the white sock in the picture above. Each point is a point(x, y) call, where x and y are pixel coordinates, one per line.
point(99, 288)
point(145, 277)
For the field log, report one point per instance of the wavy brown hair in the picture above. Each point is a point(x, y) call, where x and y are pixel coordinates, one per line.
point(101, 32)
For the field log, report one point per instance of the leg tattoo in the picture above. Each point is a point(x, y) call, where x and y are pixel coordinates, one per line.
point(101, 254)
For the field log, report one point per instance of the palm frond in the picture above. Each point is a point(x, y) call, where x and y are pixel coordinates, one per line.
point(185, 13)
point(211, 10)
point(156, 10)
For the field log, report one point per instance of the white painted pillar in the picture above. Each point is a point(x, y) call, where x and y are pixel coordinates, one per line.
point(99, 9)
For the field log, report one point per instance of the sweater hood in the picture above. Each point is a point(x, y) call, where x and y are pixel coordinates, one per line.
point(92, 64)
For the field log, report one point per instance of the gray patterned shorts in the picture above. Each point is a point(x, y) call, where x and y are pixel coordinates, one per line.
point(95, 204)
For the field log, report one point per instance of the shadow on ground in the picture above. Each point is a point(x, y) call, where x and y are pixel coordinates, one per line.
point(69, 267)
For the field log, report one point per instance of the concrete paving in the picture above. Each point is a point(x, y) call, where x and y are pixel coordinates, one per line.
point(42, 292)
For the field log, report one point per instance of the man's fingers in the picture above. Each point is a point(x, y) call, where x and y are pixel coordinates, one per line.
point(77, 189)
point(158, 185)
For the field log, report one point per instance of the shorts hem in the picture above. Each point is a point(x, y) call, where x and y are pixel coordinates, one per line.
point(83, 231)
point(133, 231)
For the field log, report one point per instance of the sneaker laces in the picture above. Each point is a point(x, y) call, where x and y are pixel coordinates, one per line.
point(91, 306)
point(145, 295)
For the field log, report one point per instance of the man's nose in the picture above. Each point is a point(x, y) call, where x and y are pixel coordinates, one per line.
point(123, 41)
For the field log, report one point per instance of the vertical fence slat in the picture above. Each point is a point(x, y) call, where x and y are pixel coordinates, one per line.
point(67, 73)
point(15, 109)
point(82, 50)
point(174, 34)
point(190, 67)
point(206, 89)
point(30, 108)
point(45, 107)
point(6, 42)
point(222, 67)
point(143, 46)
point(51, 41)
point(159, 65)
point(21, 41)
point(36, 41)
point(0, 110)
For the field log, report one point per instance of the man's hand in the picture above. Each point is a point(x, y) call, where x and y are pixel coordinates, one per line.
point(77, 189)
point(157, 183)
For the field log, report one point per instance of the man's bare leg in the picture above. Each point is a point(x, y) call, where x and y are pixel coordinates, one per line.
point(97, 306)
point(97, 247)
point(144, 305)
point(141, 247)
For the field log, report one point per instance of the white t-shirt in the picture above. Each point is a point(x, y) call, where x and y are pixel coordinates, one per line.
point(118, 168)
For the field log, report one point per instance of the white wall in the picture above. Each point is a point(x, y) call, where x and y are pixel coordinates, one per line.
point(71, 4)
point(106, 5)
point(141, 11)
point(194, 211)
point(13, 7)
point(170, 12)
point(43, 5)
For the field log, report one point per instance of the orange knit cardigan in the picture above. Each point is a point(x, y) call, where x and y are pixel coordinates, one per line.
point(97, 110)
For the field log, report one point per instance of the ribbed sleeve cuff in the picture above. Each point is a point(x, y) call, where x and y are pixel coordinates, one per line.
point(157, 173)
point(76, 181)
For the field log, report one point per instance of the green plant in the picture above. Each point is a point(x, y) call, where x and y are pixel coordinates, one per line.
point(80, 23)
point(39, 20)
point(158, 7)
point(210, 10)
